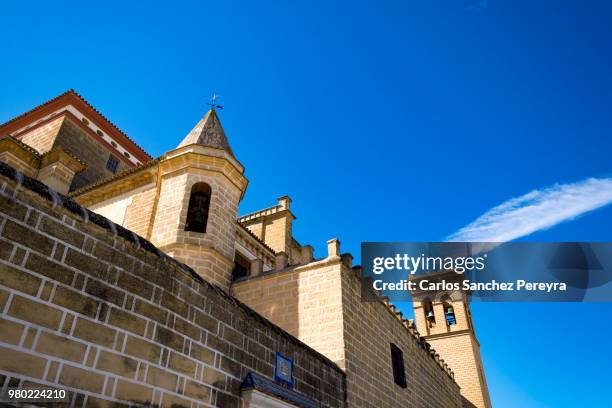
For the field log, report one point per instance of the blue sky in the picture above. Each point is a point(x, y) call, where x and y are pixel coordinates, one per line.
point(384, 121)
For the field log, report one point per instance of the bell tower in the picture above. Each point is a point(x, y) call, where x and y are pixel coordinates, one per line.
point(199, 187)
point(445, 320)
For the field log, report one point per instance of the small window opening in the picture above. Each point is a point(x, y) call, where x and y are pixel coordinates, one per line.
point(112, 163)
point(199, 204)
point(397, 362)
point(449, 314)
point(242, 266)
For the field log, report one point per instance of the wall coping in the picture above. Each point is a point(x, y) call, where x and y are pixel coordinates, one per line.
point(276, 210)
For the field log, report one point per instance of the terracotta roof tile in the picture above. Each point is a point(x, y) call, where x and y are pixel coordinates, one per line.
point(42, 105)
point(73, 93)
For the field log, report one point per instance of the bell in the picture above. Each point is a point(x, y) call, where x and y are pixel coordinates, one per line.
point(430, 314)
point(450, 316)
point(450, 319)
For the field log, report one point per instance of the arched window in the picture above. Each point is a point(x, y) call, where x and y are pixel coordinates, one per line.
point(429, 312)
point(449, 314)
point(199, 203)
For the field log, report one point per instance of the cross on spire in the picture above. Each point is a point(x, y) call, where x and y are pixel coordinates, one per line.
point(213, 102)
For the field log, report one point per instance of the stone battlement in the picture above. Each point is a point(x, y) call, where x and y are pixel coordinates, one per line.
point(284, 203)
point(408, 325)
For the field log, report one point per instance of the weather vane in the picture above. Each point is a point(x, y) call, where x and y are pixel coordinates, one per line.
point(213, 102)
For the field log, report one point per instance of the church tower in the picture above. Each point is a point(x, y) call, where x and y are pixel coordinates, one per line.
point(199, 187)
point(446, 323)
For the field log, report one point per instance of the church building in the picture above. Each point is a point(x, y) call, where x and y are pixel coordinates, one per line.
point(185, 203)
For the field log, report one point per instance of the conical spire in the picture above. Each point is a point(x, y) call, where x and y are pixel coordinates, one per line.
point(208, 132)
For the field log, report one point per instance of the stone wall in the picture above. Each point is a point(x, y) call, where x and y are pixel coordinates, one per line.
point(462, 352)
point(62, 132)
point(132, 210)
point(457, 344)
point(153, 201)
point(369, 329)
point(15, 162)
point(138, 213)
point(212, 253)
point(320, 303)
point(306, 301)
point(246, 239)
point(92, 308)
point(273, 225)
point(42, 137)
point(277, 232)
point(74, 140)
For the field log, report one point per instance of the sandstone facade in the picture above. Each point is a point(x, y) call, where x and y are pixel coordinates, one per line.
point(89, 308)
point(151, 290)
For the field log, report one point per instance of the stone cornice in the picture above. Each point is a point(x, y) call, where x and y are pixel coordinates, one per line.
point(205, 159)
point(128, 180)
point(206, 151)
point(20, 150)
point(276, 211)
point(293, 268)
point(61, 156)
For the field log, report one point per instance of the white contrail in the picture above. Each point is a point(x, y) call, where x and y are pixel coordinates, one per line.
point(537, 210)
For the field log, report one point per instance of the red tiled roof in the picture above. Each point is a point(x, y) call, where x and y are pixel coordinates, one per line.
point(65, 99)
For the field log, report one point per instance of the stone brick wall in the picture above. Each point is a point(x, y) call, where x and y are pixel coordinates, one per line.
point(257, 229)
point(306, 301)
point(277, 233)
point(274, 231)
point(64, 133)
point(320, 303)
point(90, 307)
point(246, 239)
point(74, 140)
point(153, 201)
point(15, 162)
point(462, 353)
point(212, 253)
point(132, 210)
point(369, 329)
point(56, 175)
point(138, 213)
point(273, 225)
point(457, 345)
point(42, 138)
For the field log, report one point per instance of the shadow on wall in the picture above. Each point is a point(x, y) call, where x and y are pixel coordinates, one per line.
point(466, 403)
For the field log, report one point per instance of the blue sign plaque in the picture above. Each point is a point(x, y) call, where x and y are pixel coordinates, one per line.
point(283, 370)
